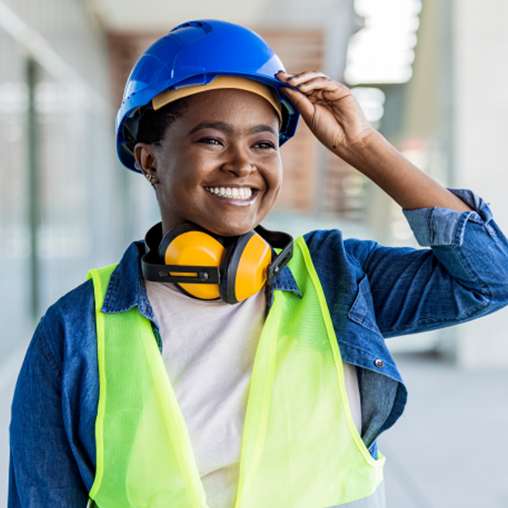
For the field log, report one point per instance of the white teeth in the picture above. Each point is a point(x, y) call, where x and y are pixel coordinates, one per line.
point(231, 192)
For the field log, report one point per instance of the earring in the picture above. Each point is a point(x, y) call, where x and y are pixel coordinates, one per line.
point(149, 177)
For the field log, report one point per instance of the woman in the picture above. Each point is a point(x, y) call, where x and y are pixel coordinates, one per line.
point(217, 390)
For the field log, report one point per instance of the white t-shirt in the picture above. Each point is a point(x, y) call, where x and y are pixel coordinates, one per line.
point(208, 348)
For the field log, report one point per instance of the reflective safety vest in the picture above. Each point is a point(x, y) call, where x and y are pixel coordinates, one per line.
point(300, 447)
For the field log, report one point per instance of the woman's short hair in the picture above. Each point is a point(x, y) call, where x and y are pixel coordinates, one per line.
point(154, 124)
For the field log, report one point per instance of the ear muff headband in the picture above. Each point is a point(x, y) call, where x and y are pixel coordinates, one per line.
point(206, 266)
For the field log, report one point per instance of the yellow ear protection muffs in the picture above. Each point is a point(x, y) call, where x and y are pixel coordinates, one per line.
point(208, 266)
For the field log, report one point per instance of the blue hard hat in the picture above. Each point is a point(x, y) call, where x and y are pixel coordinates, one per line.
point(195, 53)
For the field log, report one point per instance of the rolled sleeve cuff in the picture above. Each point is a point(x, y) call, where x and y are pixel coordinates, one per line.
point(436, 226)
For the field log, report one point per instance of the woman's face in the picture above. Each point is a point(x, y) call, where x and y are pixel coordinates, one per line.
point(218, 165)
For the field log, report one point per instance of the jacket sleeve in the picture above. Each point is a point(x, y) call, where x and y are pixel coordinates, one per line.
point(43, 470)
point(462, 277)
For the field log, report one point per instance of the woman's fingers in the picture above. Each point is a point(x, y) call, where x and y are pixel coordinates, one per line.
point(296, 79)
point(300, 101)
point(325, 88)
point(309, 82)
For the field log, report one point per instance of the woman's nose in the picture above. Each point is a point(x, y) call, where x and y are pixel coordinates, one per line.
point(239, 163)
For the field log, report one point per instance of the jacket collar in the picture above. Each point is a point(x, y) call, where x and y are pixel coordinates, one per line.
point(126, 288)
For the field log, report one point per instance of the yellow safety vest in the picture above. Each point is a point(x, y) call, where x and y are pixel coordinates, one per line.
point(300, 447)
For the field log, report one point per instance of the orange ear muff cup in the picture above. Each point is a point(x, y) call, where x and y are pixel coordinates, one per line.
point(244, 267)
point(195, 248)
point(251, 271)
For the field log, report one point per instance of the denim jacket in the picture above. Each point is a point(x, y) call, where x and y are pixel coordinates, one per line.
point(372, 292)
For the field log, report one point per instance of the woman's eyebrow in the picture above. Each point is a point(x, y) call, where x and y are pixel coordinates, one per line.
point(223, 126)
point(263, 128)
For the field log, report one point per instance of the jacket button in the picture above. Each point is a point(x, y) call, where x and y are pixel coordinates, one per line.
point(379, 363)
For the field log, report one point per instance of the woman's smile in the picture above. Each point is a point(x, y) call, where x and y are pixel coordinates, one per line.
point(234, 195)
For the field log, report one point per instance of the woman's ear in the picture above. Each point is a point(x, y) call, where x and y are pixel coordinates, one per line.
point(146, 161)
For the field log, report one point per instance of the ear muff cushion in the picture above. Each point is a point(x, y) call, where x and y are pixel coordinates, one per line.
point(193, 247)
point(246, 263)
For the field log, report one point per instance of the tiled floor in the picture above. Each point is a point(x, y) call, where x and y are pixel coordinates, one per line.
point(449, 449)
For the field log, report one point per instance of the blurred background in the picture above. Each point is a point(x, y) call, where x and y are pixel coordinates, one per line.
point(430, 75)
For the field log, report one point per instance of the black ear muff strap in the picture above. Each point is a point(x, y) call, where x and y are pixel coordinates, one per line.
point(164, 273)
point(278, 240)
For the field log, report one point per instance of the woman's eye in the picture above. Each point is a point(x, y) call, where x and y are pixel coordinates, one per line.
point(265, 145)
point(210, 141)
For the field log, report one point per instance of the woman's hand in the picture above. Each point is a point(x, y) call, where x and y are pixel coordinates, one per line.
point(330, 110)
point(336, 119)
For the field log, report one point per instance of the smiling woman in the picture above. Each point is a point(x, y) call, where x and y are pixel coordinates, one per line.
point(221, 365)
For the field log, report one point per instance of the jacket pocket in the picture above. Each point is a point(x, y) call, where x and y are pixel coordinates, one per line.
point(362, 310)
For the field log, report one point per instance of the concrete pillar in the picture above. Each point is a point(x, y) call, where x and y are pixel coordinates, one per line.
point(480, 74)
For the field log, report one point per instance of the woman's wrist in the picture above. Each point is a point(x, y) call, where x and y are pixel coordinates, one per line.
point(382, 163)
point(364, 150)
